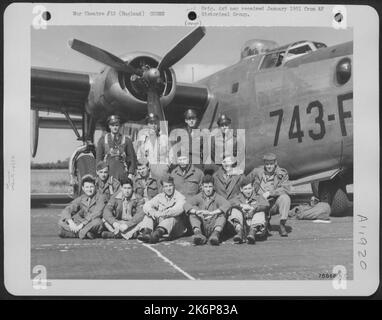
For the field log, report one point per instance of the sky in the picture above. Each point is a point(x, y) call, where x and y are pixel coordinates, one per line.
point(219, 48)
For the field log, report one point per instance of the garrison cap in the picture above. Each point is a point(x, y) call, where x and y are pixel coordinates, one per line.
point(87, 178)
point(167, 178)
point(143, 162)
point(113, 119)
point(102, 165)
point(151, 117)
point(269, 157)
point(208, 179)
point(223, 119)
point(124, 179)
point(190, 113)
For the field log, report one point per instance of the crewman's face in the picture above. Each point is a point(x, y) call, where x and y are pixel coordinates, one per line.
point(208, 189)
point(227, 167)
point(168, 188)
point(127, 190)
point(183, 162)
point(114, 127)
point(191, 122)
point(88, 188)
point(153, 126)
point(270, 165)
point(143, 170)
point(224, 127)
point(103, 174)
point(247, 190)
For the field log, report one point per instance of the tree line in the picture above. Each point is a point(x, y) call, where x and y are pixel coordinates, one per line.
point(51, 165)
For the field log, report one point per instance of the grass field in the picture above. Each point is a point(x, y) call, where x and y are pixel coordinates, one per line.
point(49, 181)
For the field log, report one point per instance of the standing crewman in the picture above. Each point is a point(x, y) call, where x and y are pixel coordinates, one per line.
point(224, 141)
point(194, 152)
point(152, 145)
point(116, 149)
point(272, 182)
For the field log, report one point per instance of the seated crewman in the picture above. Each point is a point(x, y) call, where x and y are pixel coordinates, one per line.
point(163, 214)
point(248, 212)
point(105, 184)
point(82, 217)
point(272, 182)
point(144, 184)
point(207, 212)
point(123, 212)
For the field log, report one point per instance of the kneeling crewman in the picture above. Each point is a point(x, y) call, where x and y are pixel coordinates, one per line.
point(207, 212)
point(123, 212)
point(248, 212)
point(163, 214)
point(105, 183)
point(82, 217)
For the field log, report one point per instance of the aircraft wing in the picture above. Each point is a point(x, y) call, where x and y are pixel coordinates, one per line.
point(57, 91)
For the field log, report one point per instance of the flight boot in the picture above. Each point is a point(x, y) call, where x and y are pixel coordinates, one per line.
point(199, 239)
point(251, 237)
point(67, 234)
point(144, 235)
point(214, 238)
point(239, 236)
point(156, 235)
point(283, 231)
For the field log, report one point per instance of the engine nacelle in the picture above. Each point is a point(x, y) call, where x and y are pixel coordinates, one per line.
point(116, 92)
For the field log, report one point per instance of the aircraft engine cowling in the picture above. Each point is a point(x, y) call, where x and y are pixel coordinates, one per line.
point(125, 94)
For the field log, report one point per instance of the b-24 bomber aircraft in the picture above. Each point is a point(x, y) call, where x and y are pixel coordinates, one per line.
point(294, 100)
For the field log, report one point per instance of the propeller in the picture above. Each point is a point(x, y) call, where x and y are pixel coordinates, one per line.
point(102, 56)
point(148, 78)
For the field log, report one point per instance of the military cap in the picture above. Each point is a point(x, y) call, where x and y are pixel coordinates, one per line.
point(151, 117)
point(102, 165)
point(167, 178)
point(113, 119)
point(143, 162)
point(87, 178)
point(223, 119)
point(124, 179)
point(229, 161)
point(269, 157)
point(190, 113)
point(245, 181)
point(208, 179)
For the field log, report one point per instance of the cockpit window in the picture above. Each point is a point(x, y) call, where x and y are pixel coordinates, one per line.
point(319, 45)
point(272, 60)
point(300, 50)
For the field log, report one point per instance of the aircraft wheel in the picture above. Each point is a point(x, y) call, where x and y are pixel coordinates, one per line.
point(86, 164)
point(335, 194)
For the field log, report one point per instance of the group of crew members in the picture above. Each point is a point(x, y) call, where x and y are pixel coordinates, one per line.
point(132, 199)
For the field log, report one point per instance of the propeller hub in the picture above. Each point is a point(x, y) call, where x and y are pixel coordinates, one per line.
point(152, 75)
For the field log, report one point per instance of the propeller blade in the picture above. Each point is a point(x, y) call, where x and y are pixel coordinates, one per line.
point(182, 48)
point(153, 103)
point(101, 56)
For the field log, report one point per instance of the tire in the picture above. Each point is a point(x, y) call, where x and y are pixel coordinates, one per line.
point(85, 164)
point(335, 195)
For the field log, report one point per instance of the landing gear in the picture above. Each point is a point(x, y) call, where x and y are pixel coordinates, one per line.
point(83, 159)
point(334, 193)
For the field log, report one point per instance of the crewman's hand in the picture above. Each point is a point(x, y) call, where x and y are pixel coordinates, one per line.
point(116, 227)
point(80, 226)
point(246, 207)
point(266, 194)
point(122, 227)
point(72, 226)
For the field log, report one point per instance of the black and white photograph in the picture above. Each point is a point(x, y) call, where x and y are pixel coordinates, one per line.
point(193, 152)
